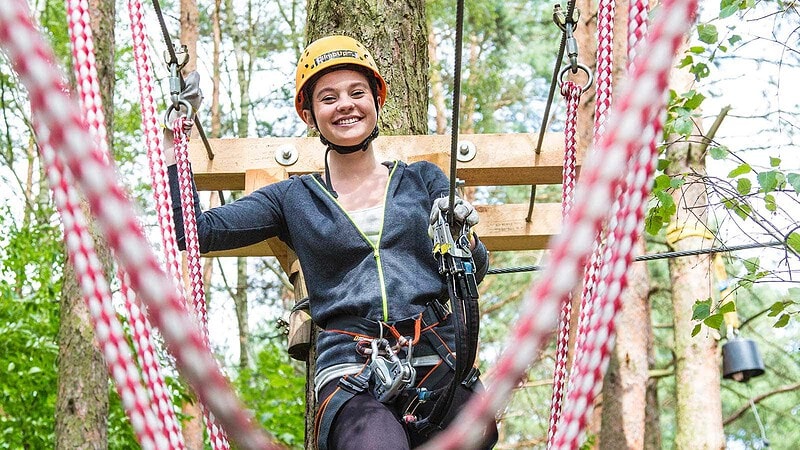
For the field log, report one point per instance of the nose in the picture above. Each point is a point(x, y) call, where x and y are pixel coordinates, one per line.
point(345, 104)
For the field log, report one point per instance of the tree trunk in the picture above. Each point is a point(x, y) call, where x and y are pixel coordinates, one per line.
point(190, 20)
point(437, 88)
point(81, 409)
point(697, 378)
point(625, 384)
point(216, 126)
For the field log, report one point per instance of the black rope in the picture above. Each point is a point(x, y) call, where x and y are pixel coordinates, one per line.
point(173, 59)
point(656, 256)
point(456, 107)
point(550, 96)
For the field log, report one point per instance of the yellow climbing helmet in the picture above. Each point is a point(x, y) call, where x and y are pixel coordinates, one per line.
point(332, 51)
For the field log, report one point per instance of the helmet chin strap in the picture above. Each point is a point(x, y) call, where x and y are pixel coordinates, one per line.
point(344, 150)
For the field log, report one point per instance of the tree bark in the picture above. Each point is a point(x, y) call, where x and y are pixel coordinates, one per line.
point(81, 409)
point(697, 378)
point(625, 384)
point(190, 20)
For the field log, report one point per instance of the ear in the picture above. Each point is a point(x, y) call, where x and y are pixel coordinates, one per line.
point(309, 119)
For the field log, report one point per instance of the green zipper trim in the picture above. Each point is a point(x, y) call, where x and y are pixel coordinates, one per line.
point(375, 247)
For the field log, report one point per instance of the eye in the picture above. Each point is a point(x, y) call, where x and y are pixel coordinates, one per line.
point(358, 93)
point(328, 99)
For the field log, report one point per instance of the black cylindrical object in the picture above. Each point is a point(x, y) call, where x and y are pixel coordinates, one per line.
point(741, 360)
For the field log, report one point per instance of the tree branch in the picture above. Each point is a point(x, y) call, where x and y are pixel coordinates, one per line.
point(739, 412)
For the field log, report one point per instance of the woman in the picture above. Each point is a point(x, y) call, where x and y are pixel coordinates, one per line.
point(361, 233)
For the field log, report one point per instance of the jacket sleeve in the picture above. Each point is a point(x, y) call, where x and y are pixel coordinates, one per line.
point(439, 186)
point(246, 221)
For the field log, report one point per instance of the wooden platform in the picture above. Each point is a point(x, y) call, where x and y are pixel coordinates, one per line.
point(500, 160)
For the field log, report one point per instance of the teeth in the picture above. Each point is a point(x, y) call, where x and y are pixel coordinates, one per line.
point(347, 121)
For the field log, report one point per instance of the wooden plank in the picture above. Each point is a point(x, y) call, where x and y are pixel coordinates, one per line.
point(502, 227)
point(500, 159)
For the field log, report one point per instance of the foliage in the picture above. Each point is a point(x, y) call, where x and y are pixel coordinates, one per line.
point(30, 280)
point(274, 389)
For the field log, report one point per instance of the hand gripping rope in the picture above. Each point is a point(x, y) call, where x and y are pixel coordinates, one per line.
point(89, 92)
point(217, 436)
point(603, 171)
point(160, 187)
point(61, 126)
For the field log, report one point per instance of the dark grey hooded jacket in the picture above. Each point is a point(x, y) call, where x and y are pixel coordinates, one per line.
point(345, 273)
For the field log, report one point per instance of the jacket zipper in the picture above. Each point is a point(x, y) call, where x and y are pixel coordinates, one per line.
point(375, 246)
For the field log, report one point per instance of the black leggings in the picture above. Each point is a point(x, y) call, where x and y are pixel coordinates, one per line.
point(364, 423)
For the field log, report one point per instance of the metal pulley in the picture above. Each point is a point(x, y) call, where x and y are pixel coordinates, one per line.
point(741, 360)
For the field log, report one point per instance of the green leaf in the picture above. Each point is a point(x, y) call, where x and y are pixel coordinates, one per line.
point(697, 49)
point(794, 241)
point(776, 308)
point(701, 309)
point(768, 180)
point(707, 33)
point(713, 321)
point(686, 61)
point(751, 265)
point(769, 203)
point(734, 39)
point(728, 11)
point(694, 101)
point(700, 70)
point(782, 321)
point(741, 170)
point(794, 181)
point(727, 307)
point(774, 162)
point(664, 163)
point(743, 186)
point(718, 152)
point(696, 329)
point(683, 125)
point(677, 182)
point(662, 182)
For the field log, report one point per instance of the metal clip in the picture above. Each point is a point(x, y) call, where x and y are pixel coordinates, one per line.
point(567, 25)
point(181, 57)
point(391, 376)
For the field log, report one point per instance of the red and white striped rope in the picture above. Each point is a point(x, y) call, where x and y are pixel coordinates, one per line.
point(88, 89)
point(181, 145)
point(151, 369)
point(95, 291)
point(67, 133)
point(158, 173)
point(85, 68)
point(572, 94)
point(195, 269)
point(605, 60)
point(602, 172)
point(638, 11)
point(152, 138)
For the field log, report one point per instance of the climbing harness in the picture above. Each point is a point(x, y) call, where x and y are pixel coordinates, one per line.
point(389, 372)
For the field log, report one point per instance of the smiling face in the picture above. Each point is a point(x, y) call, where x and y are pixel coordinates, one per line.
point(344, 107)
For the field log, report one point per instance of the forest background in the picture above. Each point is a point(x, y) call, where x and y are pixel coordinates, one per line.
point(741, 53)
